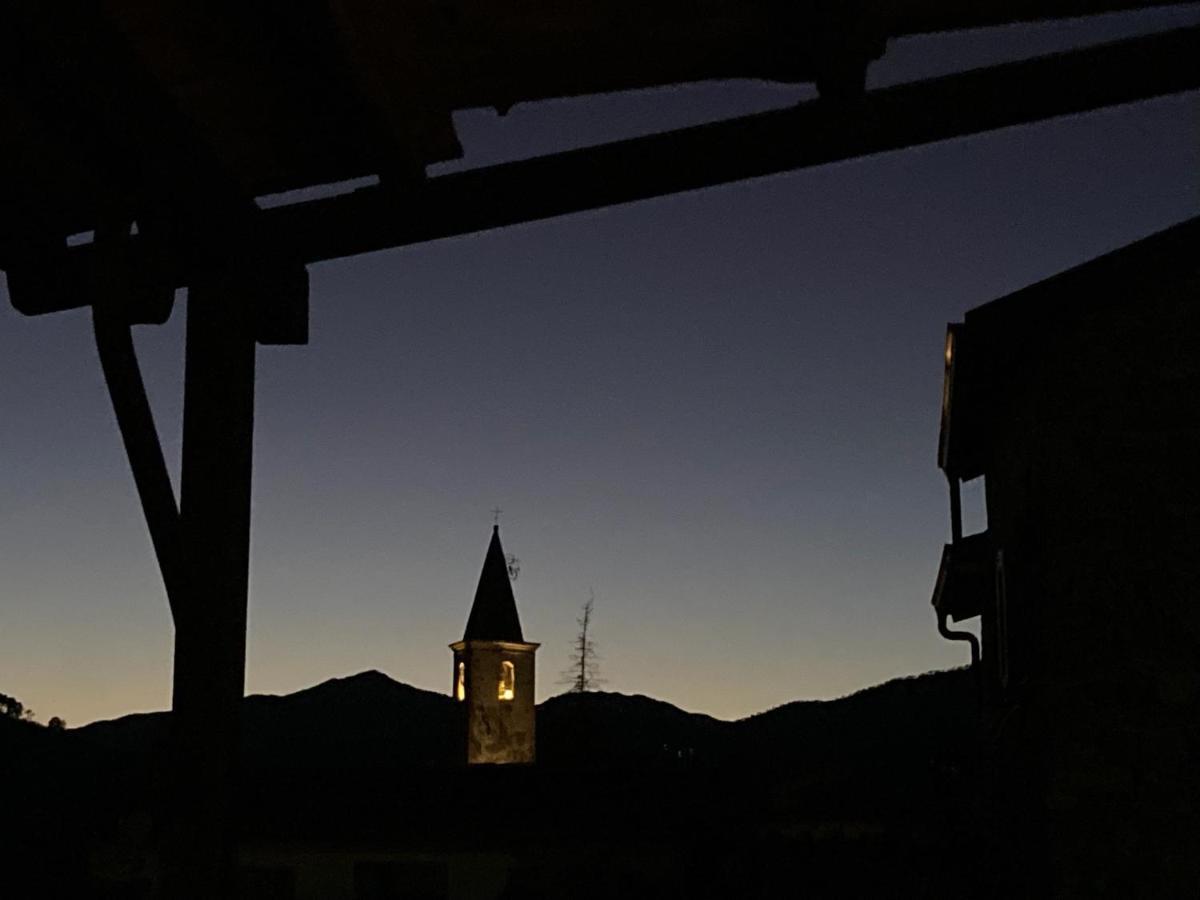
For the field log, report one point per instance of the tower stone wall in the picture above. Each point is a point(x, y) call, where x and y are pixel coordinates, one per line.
point(498, 729)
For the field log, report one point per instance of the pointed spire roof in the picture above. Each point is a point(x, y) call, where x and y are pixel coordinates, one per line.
point(494, 612)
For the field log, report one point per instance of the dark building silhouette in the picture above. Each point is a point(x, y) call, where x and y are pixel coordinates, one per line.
point(494, 670)
point(1078, 400)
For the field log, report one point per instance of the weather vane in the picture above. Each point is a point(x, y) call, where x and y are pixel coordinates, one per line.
point(496, 515)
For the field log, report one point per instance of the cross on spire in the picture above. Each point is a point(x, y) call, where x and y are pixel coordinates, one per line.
point(496, 516)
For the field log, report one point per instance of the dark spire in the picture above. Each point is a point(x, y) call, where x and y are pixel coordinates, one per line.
point(494, 612)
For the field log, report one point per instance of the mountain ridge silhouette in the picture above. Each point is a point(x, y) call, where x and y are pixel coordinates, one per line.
point(370, 719)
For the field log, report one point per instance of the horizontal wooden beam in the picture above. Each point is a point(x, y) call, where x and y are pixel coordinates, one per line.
point(753, 146)
point(901, 17)
point(810, 134)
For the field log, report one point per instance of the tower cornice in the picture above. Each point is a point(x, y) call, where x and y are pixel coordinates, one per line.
point(518, 646)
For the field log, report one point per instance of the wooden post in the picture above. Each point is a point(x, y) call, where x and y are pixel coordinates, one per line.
point(199, 852)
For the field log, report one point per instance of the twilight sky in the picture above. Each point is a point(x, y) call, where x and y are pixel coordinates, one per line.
point(717, 410)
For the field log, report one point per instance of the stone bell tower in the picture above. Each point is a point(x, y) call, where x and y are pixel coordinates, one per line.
point(493, 670)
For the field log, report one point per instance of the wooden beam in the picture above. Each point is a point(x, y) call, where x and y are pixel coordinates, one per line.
point(749, 147)
point(92, 92)
point(811, 134)
point(927, 16)
point(199, 852)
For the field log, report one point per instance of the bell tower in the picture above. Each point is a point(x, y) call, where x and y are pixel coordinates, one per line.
point(493, 670)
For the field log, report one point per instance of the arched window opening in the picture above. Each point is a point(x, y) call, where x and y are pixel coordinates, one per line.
point(508, 680)
point(460, 689)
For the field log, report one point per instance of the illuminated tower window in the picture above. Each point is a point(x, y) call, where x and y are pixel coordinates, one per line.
point(508, 680)
point(461, 690)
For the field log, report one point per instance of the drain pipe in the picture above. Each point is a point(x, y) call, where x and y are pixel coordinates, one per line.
point(956, 536)
point(949, 635)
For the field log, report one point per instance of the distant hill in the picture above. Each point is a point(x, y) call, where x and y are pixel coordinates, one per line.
point(369, 721)
point(367, 732)
point(364, 721)
point(599, 729)
point(931, 712)
point(934, 713)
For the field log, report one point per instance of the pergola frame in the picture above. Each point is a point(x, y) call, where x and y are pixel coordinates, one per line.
point(810, 134)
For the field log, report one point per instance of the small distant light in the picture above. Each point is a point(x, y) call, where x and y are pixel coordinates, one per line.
point(949, 347)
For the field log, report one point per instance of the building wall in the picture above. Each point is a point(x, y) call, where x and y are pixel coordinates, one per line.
point(1094, 500)
point(497, 731)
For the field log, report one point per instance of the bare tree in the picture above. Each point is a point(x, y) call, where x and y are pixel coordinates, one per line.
point(583, 672)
